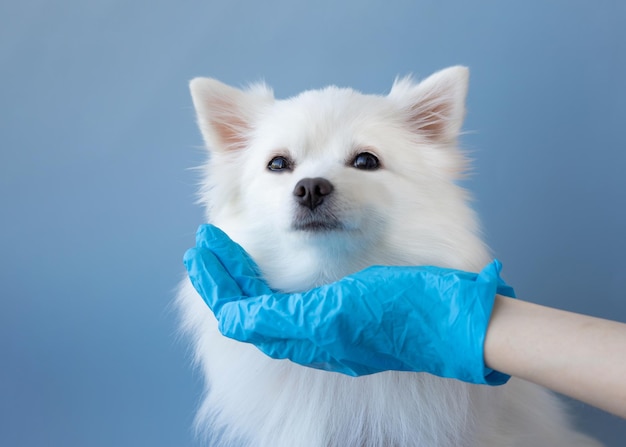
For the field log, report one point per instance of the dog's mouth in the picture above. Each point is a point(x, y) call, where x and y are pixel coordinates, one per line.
point(316, 222)
point(317, 225)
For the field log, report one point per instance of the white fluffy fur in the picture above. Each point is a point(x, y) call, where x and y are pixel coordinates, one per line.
point(410, 211)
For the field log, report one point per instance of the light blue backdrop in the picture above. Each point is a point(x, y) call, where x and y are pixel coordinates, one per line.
point(96, 199)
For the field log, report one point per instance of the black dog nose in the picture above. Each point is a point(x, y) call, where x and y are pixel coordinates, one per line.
point(310, 192)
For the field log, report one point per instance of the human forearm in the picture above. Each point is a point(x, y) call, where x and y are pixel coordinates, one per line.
point(576, 355)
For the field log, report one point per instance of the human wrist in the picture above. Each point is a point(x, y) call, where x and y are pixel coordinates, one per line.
point(500, 347)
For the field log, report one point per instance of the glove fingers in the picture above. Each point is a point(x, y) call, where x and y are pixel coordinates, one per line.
point(260, 318)
point(256, 320)
point(210, 279)
point(234, 259)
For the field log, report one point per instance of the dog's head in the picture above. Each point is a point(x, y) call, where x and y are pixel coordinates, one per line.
point(330, 181)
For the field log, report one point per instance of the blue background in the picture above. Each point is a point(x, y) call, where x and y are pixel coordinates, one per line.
point(97, 136)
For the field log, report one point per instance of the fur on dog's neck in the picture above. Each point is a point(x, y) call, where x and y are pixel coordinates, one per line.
point(302, 260)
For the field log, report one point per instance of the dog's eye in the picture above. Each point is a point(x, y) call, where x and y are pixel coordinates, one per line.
point(366, 161)
point(279, 164)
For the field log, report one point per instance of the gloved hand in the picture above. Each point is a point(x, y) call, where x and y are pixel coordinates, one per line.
point(422, 319)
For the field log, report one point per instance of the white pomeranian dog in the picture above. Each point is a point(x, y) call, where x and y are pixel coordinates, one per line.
point(317, 187)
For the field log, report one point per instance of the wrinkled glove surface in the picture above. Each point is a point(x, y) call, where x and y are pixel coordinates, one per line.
point(422, 319)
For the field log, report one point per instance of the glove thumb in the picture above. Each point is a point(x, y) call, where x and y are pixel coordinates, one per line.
point(210, 279)
point(235, 260)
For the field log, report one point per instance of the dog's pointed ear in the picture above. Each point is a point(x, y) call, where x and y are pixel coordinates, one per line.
point(226, 115)
point(435, 107)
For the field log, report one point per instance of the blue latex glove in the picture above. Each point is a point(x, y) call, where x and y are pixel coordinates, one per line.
point(422, 319)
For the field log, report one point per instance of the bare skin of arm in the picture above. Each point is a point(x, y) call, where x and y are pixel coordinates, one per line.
point(576, 355)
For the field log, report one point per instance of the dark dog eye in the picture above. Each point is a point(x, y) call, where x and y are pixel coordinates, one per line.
point(279, 164)
point(366, 161)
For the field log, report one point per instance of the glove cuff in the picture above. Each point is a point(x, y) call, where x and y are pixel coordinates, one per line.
point(492, 273)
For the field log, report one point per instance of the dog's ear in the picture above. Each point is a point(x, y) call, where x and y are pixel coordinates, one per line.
point(225, 114)
point(435, 107)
